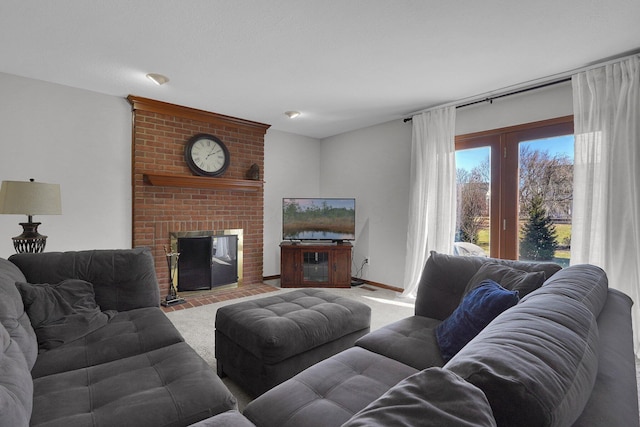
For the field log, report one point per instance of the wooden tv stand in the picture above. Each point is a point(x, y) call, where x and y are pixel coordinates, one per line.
point(315, 265)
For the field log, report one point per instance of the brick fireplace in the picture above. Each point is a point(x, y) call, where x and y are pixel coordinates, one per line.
point(169, 198)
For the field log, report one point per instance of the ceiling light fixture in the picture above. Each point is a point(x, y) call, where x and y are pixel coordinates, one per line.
point(292, 114)
point(158, 79)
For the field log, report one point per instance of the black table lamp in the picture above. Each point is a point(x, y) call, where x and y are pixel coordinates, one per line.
point(30, 198)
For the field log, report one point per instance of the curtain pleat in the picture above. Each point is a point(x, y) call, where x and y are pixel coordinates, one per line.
point(606, 204)
point(432, 201)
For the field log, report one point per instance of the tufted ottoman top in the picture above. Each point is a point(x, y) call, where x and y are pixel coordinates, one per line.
point(277, 327)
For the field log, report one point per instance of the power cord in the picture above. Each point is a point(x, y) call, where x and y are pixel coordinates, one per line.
point(358, 272)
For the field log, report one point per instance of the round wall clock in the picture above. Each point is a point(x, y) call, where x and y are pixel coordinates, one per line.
point(206, 155)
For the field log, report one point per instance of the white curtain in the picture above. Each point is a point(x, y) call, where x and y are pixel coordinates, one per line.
point(432, 199)
point(606, 204)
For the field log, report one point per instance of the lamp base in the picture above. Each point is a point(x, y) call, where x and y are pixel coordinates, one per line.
point(30, 241)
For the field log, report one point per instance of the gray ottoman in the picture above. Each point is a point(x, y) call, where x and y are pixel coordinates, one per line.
point(263, 342)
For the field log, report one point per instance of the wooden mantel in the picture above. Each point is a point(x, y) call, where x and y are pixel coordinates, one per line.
point(146, 104)
point(182, 181)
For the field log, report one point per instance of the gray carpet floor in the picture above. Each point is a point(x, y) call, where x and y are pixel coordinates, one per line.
point(197, 324)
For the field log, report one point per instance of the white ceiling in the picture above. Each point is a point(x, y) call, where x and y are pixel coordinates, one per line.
point(344, 64)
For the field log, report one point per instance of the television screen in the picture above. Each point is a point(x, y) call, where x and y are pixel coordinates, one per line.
point(318, 219)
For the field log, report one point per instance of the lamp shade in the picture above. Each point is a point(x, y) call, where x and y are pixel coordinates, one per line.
point(30, 198)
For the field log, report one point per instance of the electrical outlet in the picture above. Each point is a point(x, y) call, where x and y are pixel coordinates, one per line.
point(366, 260)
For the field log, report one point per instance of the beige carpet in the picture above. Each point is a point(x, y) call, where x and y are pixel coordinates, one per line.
point(197, 324)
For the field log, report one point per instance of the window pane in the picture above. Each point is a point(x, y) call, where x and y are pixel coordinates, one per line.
point(545, 192)
point(473, 175)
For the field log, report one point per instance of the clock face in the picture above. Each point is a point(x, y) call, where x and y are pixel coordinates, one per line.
point(207, 155)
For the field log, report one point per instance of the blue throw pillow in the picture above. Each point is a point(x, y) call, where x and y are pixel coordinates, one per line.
point(477, 309)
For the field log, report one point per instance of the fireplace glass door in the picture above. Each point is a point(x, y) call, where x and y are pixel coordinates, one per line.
point(206, 262)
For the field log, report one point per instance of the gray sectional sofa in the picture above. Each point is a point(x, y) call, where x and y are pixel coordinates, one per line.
point(83, 342)
point(562, 356)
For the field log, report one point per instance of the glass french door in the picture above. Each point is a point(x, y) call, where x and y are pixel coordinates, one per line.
point(545, 196)
point(473, 191)
point(514, 191)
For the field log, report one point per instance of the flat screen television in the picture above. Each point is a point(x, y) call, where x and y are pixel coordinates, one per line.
point(318, 219)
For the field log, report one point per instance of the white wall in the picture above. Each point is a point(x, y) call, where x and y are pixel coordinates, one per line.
point(540, 104)
point(78, 139)
point(372, 165)
point(291, 169)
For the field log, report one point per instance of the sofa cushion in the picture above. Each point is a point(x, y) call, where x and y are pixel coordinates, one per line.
point(411, 341)
point(478, 308)
point(128, 333)
point(62, 312)
point(12, 314)
point(508, 277)
point(123, 279)
point(16, 386)
point(167, 386)
point(445, 277)
point(330, 392)
point(434, 397)
point(537, 362)
point(225, 419)
point(584, 283)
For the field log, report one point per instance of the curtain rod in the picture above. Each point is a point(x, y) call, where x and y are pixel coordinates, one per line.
point(490, 99)
point(550, 80)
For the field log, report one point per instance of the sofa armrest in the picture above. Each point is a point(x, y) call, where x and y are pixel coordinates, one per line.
point(123, 279)
point(613, 400)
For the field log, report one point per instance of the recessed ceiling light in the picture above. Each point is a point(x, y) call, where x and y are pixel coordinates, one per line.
point(292, 114)
point(158, 79)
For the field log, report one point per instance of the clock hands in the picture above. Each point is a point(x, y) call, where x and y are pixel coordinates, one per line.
point(212, 152)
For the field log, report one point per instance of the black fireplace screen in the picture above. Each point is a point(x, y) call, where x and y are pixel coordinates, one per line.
point(207, 262)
